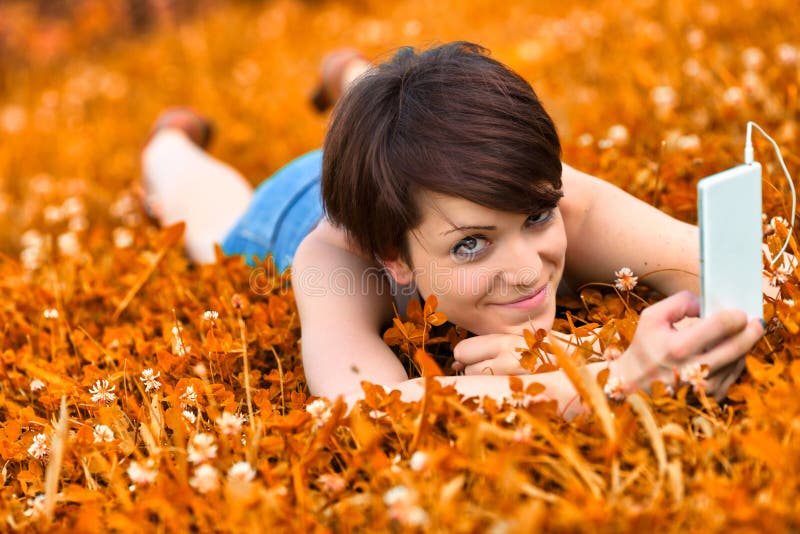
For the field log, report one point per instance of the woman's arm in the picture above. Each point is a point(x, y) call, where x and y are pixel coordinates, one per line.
point(343, 300)
point(608, 228)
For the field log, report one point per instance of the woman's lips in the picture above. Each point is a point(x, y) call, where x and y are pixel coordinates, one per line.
point(527, 302)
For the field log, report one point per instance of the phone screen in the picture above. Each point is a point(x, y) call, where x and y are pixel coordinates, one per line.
point(729, 214)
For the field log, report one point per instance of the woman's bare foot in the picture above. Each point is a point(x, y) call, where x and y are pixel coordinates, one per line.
point(182, 182)
point(199, 129)
point(338, 70)
point(196, 127)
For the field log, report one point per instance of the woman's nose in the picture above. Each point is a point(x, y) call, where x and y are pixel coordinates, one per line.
point(522, 264)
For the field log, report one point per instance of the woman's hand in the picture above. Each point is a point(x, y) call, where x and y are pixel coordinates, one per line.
point(490, 354)
point(659, 350)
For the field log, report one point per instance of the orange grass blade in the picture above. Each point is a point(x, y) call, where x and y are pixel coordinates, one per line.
point(427, 364)
point(675, 476)
point(55, 462)
point(645, 414)
point(48, 376)
point(169, 237)
point(587, 388)
point(571, 456)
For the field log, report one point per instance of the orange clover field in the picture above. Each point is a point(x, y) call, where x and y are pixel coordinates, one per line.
point(141, 392)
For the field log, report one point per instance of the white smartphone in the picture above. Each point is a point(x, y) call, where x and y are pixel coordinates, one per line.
point(729, 215)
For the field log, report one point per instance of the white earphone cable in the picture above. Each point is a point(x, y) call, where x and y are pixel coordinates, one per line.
point(748, 159)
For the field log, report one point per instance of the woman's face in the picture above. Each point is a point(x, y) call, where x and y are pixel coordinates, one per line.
point(491, 271)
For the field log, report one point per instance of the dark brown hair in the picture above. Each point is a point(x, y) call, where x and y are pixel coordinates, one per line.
point(449, 120)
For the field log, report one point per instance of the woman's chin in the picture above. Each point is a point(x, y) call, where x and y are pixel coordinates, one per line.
point(515, 329)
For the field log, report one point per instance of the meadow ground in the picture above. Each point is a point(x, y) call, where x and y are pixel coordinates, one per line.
point(124, 400)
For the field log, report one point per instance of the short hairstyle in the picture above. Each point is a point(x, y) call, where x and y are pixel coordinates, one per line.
point(449, 120)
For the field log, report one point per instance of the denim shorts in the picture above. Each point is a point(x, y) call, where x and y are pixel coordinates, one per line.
point(284, 209)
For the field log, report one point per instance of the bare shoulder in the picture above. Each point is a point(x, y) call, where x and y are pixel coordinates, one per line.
point(325, 238)
point(332, 280)
point(579, 188)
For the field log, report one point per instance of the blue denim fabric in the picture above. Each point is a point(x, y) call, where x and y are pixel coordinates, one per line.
point(284, 209)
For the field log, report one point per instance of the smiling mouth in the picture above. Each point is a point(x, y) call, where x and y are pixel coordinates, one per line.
point(530, 299)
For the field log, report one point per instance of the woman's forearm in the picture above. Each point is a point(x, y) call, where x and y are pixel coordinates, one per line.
point(558, 388)
point(608, 228)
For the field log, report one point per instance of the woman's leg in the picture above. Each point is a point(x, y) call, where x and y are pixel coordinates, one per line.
point(183, 183)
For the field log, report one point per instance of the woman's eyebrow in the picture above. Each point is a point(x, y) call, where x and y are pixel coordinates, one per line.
point(457, 228)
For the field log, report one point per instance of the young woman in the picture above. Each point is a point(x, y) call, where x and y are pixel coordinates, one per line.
point(442, 170)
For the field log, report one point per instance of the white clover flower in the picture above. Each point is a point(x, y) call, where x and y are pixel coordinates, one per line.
point(753, 58)
point(376, 414)
point(78, 223)
point(523, 434)
point(178, 346)
point(50, 313)
point(612, 353)
point(31, 258)
point(397, 494)
point(618, 133)
point(202, 448)
point(103, 434)
point(331, 483)
point(35, 507)
point(190, 395)
point(123, 206)
point(101, 392)
point(210, 315)
point(230, 424)
point(780, 276)
point(68, 244)
point(418, 461)
point(778, 220)
point(53, 214)
point(240, 473)
point(625, 280)
point(788, 54)
point(31, 239)
point(688, 143)
point(605, 143)
point(320, 412)
point(692, 68)
point(122, 237)
point(696, 38)
point(141, 474)
point(615, 388)
point(150, 380)
point(205, 479)
point(695, 374)
point(13, 118)
point(733, 96)
point(664, 97)
point(403, 507)
point(189, 416)
point(585, 139)
point(200, 369)
point(37, 385)
point(39, 448)
point(73, 206)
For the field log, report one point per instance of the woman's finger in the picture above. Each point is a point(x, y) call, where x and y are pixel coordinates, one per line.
point(727, 376)
point(733, 347)
point(673, 308)
point(479, 348)
point(706, 333)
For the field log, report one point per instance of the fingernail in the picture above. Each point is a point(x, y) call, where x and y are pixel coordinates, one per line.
point(763, 323)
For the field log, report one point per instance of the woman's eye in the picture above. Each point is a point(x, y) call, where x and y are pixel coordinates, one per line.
point(540, 218)
point(469, 247)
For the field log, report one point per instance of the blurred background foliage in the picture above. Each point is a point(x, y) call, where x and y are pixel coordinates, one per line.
point(650, 95)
